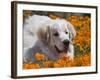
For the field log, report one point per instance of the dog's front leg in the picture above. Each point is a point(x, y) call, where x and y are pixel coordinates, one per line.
point(70, 52)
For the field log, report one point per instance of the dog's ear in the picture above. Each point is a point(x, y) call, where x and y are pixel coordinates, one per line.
point(44, 34)
point(48, 34)
point(49, 37)
point(71, 30)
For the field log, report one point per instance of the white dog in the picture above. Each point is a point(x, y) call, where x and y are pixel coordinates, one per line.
point(47, 36)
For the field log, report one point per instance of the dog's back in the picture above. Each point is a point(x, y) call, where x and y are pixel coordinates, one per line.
point(31, 26)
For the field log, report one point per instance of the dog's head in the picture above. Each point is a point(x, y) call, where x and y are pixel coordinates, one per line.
point(58, 34)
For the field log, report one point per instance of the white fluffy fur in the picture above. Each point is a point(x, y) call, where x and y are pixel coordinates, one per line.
point(32, 25)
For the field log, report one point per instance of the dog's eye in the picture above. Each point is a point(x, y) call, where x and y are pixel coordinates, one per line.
point(66, 32)
point(56, 34)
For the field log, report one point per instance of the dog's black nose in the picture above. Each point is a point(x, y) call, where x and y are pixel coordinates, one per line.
point(66, 42)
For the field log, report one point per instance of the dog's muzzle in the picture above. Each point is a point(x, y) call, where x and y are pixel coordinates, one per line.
point(66, 46)
point(66, 43)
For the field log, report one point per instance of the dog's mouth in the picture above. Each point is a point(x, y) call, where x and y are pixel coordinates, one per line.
point(60, 51)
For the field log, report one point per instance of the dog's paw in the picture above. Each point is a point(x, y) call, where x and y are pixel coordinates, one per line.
point(70, 55)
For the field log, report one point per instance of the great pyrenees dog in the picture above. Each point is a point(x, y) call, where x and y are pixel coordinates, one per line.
point(47, 36)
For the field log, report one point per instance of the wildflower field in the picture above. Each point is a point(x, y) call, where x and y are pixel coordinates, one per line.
point(82, 43)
